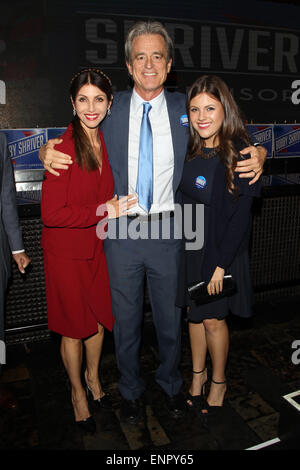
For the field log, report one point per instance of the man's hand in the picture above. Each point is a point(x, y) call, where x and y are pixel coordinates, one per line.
point(252, 167)
point(22, 261)
point(52, 158)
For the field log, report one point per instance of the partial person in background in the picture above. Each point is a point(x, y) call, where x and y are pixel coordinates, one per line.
point(11, 243)
point(76, 276)
point(217, 135)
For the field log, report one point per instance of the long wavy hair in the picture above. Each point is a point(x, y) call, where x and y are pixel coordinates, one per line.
point(231, 131)
point(85, 156)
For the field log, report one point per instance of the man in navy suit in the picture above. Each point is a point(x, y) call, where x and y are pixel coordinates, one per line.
point(11, 243)
point(148, 51)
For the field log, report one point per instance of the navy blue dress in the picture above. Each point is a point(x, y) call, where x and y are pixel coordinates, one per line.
point(198, 186)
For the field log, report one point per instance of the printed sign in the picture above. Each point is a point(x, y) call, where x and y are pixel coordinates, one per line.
point(262, 133)
point(286, 140)
point(23, 145)
point(55, 132)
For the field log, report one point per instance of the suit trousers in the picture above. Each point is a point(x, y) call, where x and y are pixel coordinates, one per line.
point(129, 261)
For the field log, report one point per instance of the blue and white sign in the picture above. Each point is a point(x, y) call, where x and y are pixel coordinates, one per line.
point(286, 140)
point(264, 134)
point(24, 145)
point(55, 132)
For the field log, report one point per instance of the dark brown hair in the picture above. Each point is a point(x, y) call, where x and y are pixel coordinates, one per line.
point(232, 130)
point(85, 156)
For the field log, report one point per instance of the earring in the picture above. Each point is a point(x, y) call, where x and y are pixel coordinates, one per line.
point(74, 112)
point(108, 112)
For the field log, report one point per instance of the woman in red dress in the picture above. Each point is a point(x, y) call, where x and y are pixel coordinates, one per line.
point(76, 276)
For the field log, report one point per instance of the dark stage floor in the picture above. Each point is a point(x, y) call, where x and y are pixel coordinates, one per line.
point(260, 370)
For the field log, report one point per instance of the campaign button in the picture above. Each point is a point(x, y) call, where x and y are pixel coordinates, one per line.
point(200, 182)
point(184, 120)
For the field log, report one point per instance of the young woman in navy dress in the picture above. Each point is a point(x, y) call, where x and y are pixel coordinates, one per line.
point(217, 133)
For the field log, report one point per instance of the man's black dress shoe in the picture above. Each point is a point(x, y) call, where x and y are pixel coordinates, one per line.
point(131, 411)
point(176, 405)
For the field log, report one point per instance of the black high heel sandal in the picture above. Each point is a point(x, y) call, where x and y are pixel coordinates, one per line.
point(196, 401)
point(209, 410)
point(103, 403)
point(87, 425)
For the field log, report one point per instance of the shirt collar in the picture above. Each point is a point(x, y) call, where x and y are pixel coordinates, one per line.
point(137, 102)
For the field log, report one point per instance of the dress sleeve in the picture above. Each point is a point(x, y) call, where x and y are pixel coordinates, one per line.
point(56, 212)
point(242, 184)
point(236, 231)
point(240, 218)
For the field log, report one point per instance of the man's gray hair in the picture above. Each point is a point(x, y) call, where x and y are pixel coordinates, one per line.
point(147, 27)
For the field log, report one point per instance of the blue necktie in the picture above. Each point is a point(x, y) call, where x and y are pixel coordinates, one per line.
point(144, 186)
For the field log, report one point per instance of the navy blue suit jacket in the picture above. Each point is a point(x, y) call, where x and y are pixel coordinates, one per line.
point(115, 129)
point(10, 231)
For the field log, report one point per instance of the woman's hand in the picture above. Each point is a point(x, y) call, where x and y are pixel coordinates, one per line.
point(215, 285)
point(52, 158)
point(119, 207)
point(252, 167)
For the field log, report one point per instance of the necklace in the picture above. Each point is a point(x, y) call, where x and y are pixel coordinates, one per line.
point(210, 154)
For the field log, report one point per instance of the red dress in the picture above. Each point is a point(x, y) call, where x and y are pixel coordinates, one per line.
point(76, 276)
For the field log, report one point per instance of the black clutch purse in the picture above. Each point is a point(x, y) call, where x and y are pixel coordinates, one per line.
point(198, 290)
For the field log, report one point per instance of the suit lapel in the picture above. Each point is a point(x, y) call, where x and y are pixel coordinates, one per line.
point(116, 130)
point(122, 138)
point(178, 133)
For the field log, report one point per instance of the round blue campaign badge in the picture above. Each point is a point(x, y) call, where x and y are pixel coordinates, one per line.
point(200, 182)
point(184, 120)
